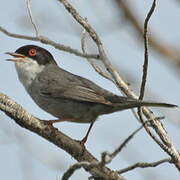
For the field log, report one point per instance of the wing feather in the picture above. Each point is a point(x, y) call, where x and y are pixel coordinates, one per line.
point(58, 83)
point(78, 93)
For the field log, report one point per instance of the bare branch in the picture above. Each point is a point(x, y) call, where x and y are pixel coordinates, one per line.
point(149, 131)
point(19, 36)
point(28, 2)
point(157, 125)
point(145, 66)
point(96, 68)
point(73, 168)
point(82, 21)
point(119, 149)
point(53, 135)
point(144, 165)
point(45, 40)
point(107, 157)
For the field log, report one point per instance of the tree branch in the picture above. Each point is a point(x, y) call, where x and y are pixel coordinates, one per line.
point(53, 135)
point(45, 40)
point(146, 57)
point(96, 68)
point(77, 166)
point(144, 165)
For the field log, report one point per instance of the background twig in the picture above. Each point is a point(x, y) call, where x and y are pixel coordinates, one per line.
point(144, 165)
point(46, 40)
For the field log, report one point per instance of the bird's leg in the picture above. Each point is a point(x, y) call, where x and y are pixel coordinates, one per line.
point(83, 141)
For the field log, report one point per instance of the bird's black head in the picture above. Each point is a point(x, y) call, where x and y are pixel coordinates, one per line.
point(41, 55)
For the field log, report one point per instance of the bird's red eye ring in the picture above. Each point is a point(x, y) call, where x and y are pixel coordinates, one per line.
point(32, 52)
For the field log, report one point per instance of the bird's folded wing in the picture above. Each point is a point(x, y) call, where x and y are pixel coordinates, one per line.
point(79, 93)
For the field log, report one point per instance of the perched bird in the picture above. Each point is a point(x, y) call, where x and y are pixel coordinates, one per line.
point(64, 95)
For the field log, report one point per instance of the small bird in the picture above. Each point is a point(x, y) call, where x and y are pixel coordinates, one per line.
point(66, 96)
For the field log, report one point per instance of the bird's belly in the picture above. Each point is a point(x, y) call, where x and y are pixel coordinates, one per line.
point(75, 111)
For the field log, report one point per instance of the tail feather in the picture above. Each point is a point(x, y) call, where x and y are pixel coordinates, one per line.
point(138, 103)
point(158, 104)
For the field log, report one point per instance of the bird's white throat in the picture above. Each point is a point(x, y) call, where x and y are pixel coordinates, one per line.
point(27, 71)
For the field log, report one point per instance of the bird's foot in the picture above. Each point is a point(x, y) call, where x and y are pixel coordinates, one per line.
point(82, 142)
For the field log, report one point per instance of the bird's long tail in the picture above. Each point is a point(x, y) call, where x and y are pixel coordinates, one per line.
point(138, 103)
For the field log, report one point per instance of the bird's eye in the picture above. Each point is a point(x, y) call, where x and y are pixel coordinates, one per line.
point(32, 52)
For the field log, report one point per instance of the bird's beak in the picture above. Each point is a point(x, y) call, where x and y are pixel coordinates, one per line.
point(17, 57)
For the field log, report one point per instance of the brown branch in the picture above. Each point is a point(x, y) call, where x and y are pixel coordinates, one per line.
point(168, 147)
point(76, 166)
point(144, 77)
point(144, 165)
point(45, 40)
point(53, 135)
point(145, 65)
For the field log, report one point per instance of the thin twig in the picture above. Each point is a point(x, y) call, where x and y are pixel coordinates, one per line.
point(76, 166)
point(124, 143)
point(145, 66)
point(96, 68)
point(46, 40)
point(144, 77)
point(19, 36)
point(135, 114)
point(81, 21)
point(144, 165)
point(107, 157)
point(148, 130)
point(28, 2)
